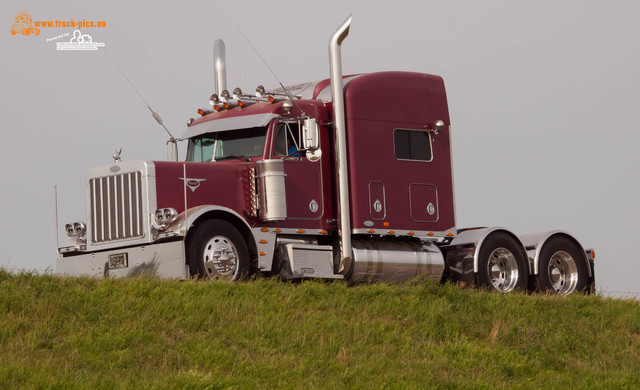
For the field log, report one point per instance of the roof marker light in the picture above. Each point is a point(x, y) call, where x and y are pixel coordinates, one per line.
point(271, 99)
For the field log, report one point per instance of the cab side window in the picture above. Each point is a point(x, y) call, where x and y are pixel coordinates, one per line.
point(287, 142)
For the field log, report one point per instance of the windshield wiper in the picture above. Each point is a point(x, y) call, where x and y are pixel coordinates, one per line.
point(245, 158)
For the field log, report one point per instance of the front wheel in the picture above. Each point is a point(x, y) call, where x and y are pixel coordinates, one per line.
point(502, 265)
point(217, 251)
point(561, 268)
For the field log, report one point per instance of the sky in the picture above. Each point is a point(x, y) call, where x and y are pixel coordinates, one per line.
point(543, 99)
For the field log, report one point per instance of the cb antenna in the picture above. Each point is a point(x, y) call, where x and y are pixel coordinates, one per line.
point(289, 95)
point(155, 115)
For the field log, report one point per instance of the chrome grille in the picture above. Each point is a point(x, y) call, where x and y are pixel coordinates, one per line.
point(116, 207)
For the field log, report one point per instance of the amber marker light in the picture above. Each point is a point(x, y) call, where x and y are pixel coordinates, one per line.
point(372, 231)
point(449, 234)
point(271, 99)
point(430, 234)
point(277, 230)
point(263, 241)
point(264, 229)
point(262, 253)
point(216, 107)
point(593, 254)
point(323, 232)
point(386, 224)
point(225, 105)
point(300, 231)
point(200, 111)
point(411, 233)
point(391, 232)
point(240, 103)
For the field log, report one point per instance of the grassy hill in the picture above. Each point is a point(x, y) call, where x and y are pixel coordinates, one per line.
point(145, 333)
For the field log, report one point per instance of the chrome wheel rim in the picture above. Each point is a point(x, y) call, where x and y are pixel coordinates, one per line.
point(220, 258)
point(563, 272)
point(503, 270)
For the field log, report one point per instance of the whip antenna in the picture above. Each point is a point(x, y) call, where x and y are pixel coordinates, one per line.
point(289, 95)
point(153, 113)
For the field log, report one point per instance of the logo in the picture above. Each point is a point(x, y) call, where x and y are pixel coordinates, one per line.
point(313, 206)
point(431, 209)
point(23, 24)
point(377, 206)
point(79, 42)
point(193, 184)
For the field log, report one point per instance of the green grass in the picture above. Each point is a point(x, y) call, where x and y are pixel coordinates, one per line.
point(146, 333)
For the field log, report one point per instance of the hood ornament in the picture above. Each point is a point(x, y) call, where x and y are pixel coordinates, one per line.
point(116, 156)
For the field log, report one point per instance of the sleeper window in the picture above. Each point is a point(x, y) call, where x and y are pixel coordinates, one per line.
point(412, 145)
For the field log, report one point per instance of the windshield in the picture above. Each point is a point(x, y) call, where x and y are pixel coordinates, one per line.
point(227, 144)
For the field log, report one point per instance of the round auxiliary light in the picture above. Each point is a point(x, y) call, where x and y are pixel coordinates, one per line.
point(214, 99)
point(237, 93)
point(224, 95)
point(159, 215)
point(189, 122)
point(260, 92)
point(69, 230)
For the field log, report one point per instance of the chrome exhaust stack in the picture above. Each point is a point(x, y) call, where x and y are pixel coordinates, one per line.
point(220, 66)
point(337, 97)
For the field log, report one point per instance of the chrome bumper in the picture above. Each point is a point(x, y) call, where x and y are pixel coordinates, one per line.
point(165, 260)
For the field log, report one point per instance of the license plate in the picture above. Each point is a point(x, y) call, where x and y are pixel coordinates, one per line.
point(118, 260)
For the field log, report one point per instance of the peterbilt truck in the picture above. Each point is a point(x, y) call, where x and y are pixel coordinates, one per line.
point(322, 180)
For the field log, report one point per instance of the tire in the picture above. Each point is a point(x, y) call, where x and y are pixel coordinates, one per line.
point(502, 265)
point(217, 251)
point(561, 268)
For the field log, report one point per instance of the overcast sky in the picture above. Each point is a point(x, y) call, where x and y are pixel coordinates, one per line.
point(543, 98)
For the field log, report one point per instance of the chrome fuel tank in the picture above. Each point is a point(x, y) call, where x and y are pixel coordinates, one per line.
point(396, 261)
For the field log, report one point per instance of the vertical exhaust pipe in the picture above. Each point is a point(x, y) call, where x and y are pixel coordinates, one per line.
point(220, 66)
point(337, 96)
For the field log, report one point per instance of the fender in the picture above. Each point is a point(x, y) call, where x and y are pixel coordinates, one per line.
point(534, 243)
point(474, 239)
point(261, 240)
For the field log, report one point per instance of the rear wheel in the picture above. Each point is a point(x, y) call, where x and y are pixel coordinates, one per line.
point(217, 251)
point(502, 266)
point(561, 268)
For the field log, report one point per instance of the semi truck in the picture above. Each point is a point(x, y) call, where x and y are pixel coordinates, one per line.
point(330, 179)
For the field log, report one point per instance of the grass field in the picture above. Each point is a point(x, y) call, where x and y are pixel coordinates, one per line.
point(146, 333)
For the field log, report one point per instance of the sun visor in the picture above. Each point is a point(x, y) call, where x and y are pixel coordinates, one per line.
point(232, 123)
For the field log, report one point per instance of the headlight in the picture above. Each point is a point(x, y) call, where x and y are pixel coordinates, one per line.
point(163, 217)
point(75, 229)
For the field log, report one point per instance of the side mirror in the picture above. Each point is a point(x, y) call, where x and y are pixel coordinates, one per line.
point(310, 134)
